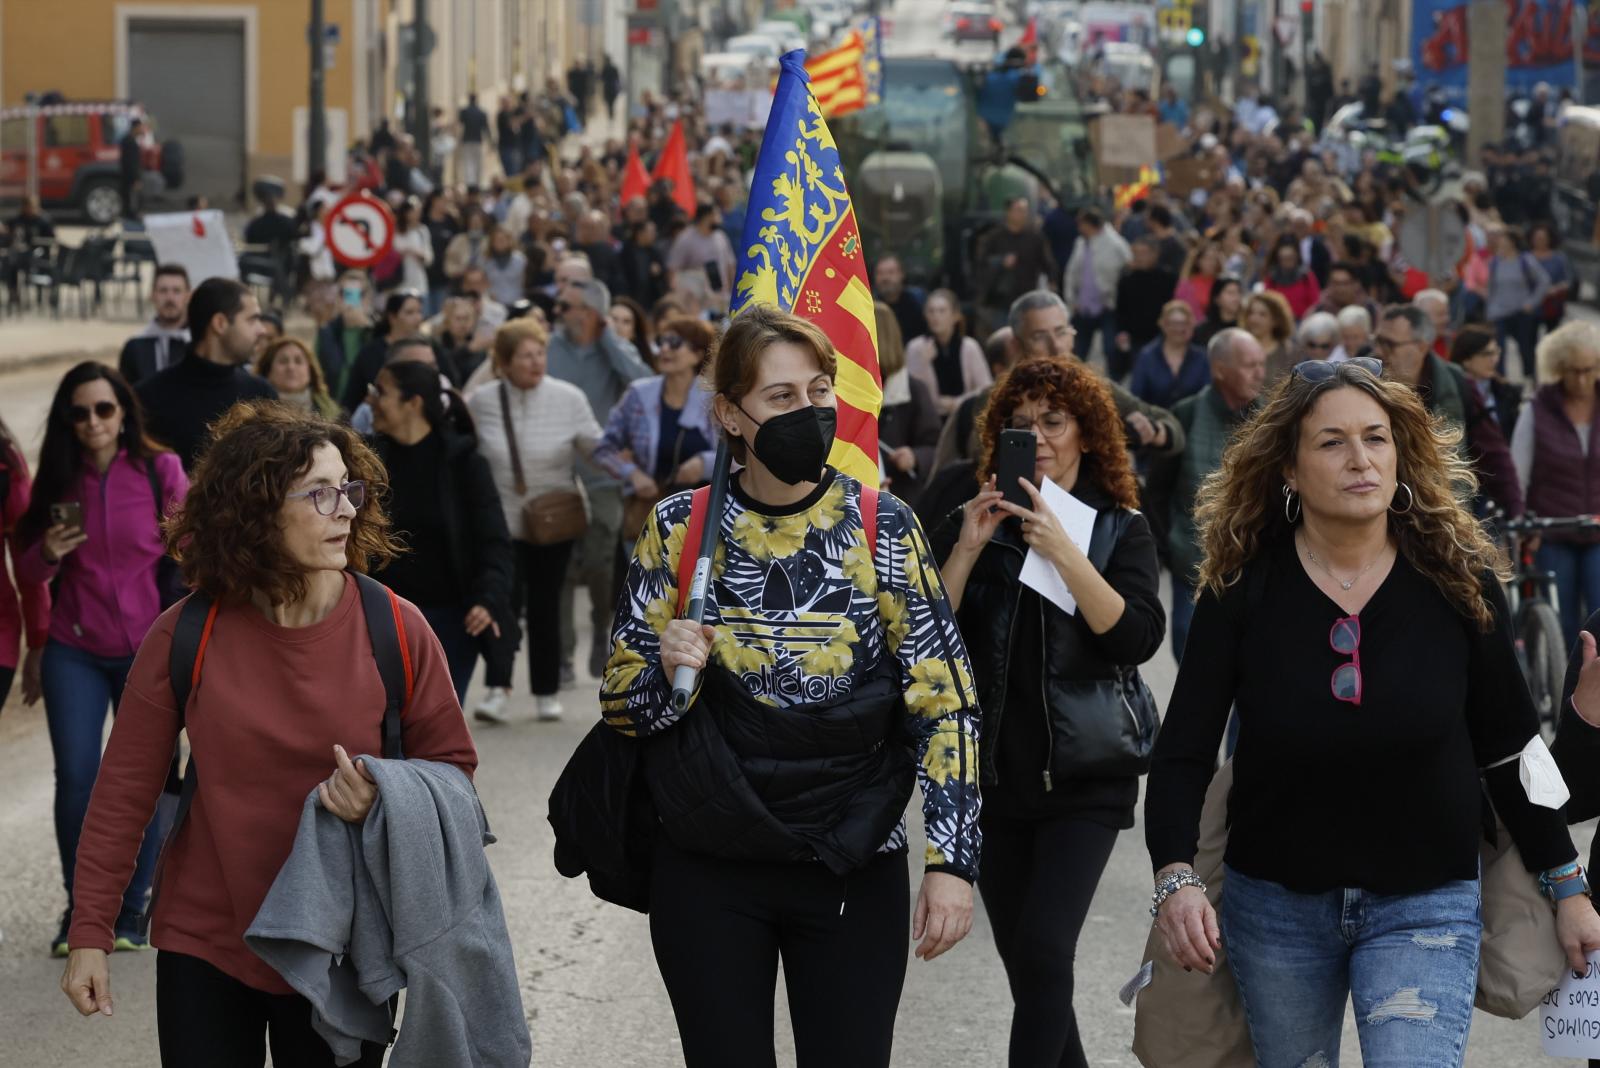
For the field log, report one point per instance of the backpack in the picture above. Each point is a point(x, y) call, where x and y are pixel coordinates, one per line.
point(385, 627)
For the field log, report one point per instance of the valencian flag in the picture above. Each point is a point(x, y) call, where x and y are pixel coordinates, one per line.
point(839, 77)
point(802, 252)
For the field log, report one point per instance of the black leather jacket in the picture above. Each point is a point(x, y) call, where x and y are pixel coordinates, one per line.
point(993, 628)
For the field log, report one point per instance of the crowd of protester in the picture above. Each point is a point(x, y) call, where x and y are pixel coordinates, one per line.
point(533, 341)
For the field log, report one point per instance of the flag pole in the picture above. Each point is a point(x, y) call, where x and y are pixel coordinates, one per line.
point(686, 678)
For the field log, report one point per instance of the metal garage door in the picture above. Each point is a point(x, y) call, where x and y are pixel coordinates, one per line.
point(190, 78)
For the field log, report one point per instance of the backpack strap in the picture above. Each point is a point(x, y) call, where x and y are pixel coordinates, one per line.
point(190, 637)
point(869, 516)
point(386, 628)
point(699, 504)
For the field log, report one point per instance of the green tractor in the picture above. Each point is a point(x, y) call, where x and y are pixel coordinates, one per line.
point(929, 179)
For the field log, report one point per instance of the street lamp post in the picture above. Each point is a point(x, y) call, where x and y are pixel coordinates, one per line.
point(424, 125)
point(317, 127)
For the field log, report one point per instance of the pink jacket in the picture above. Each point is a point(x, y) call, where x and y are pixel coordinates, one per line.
point(108, 598)
point(33, 617)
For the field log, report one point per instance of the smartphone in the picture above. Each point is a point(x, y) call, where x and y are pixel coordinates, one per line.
point(714, 274)
point(1015, 459)
point(67, 514)
point(352, 296)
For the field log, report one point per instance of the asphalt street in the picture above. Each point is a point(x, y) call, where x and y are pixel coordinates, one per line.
point(589, 982)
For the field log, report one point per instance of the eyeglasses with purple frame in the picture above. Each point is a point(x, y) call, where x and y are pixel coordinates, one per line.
point(1345, 637)
point(325, 499)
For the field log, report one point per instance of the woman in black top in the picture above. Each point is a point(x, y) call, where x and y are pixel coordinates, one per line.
point(1222, 310)
point(442, 501)
point(402, 319)
point(1050, 816)
point(1350, 610)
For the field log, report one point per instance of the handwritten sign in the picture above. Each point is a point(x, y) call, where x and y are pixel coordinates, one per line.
point(1569, 1016)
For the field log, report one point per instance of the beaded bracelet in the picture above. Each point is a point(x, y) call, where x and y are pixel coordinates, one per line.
point(1170, 884)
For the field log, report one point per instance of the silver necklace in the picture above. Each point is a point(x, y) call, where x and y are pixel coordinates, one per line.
point(1343, 585)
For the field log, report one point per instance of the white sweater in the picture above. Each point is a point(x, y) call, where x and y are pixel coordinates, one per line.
point(553, 424)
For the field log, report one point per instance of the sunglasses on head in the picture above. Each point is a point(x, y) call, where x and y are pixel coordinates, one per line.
point(1321, 370)
point(80, 413)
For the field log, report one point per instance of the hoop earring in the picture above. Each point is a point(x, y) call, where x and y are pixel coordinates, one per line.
point(1291, 497)
point(1411, 499)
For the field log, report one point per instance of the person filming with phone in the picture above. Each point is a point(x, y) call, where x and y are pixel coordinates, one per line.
point(93, 530)
point(1054, 799)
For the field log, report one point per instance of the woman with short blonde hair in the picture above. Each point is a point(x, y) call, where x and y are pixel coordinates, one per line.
point(531, 429)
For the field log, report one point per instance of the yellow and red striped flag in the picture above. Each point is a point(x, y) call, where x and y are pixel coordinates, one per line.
point(802, 252)
point(839, 78)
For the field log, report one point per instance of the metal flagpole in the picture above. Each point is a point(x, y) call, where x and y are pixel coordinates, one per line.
point(686, 678)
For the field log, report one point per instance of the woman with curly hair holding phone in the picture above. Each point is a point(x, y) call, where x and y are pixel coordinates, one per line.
point(1350, 610)
point(1053, 804)
point(282, 514)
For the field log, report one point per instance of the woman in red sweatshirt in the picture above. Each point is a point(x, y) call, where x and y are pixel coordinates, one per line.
point(32, 618)
point(282, 507)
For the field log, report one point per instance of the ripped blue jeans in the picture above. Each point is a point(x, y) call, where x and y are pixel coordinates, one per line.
point(1408, 961)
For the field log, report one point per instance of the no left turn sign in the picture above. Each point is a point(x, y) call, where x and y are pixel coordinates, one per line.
point(360, 230)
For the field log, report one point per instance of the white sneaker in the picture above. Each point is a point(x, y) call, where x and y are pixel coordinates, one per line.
point(492, 707)
point(549, 708)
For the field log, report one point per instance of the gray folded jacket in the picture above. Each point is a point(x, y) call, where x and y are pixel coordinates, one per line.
point(405, 900)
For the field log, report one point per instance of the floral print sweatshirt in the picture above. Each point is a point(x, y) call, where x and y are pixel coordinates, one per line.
point(804, 608)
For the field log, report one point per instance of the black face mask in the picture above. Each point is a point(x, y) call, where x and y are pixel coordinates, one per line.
point(795, 445)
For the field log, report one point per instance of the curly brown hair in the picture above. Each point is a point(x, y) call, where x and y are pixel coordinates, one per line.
point(1069, 386)
point(225, 534)
point(1239, 509)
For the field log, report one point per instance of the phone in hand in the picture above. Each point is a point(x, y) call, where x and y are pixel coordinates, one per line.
point(67, 514)
point(1015, 459)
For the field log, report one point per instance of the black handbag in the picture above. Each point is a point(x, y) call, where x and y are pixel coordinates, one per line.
point(1105, 727)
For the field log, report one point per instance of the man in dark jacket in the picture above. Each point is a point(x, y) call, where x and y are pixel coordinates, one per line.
point(610, 87)
point(1209, 419)
point(1011, 260)
point(1143, 290)
point(181, 402)
point(165, 341)
point(130, 168)
point(1403, 339)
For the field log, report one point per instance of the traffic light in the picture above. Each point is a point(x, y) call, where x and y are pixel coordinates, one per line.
point(1195, 37)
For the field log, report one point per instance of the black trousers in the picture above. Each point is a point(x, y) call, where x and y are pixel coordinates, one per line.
point(1037, 881)
point(207, 1019)
point(720, 926)
point(536, 591)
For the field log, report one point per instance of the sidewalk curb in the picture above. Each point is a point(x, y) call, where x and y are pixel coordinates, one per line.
point(106, 355)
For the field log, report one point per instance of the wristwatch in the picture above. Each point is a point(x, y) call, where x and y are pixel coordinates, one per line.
point(1560, 884)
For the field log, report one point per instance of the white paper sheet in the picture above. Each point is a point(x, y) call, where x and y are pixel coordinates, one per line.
point(1077, 519)
point(1569, 1016)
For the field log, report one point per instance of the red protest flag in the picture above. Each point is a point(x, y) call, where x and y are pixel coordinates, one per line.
point(635, 179)
point(674, 166)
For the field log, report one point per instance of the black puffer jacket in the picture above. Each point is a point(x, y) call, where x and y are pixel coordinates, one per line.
point(1015, 638)
point(479, 560)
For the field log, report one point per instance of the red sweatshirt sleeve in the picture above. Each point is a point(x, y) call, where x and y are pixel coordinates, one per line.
point(433, 727)
point(133, 772)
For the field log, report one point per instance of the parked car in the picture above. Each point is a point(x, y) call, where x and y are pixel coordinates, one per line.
point(76, 152)
point(971, 21)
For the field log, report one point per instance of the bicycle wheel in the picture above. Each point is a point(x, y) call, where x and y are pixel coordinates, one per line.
point(1544, 661)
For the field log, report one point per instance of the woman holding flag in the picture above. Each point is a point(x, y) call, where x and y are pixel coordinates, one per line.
point(826, 607)
point(831, 673)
